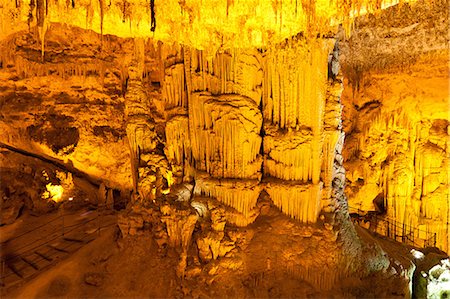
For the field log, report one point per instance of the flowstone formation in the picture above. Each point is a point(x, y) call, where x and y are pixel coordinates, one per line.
point(249, 135)
point(254, 120)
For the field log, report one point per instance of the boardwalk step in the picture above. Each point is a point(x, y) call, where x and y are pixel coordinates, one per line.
point(45, 257)
point(76, 240)
point(31, 263)
point(57, 248)
point(22, 267)
point(14, 270)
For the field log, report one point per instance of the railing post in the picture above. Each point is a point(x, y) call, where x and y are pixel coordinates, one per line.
point(403, 232)
point(98, 219)
point(395, 230)
point(62, 219)
point(3, 269)
point(386, 231)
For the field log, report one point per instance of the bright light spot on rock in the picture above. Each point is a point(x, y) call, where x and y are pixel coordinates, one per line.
point(200, 208)
point(417, 254)
point(439, 280)
point(170, 179)
point(54, 192)
point(70, 198)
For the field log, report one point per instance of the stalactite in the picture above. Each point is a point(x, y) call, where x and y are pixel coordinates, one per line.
point(298, 201)
point(177, 137)
point(30, 13)
point(174, 86)
point(102, 13)
point(152, 16)
point(125, 11)
point(41, 12)
point(229, 3)
point(241, 195)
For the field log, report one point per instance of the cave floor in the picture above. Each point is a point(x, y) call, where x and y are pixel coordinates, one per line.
point(112, 267)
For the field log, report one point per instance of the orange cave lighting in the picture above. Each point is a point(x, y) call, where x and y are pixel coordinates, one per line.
point(224, 149)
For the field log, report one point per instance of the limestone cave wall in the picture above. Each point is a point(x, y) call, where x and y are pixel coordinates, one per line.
point(145, 115)
point(239, 117)
point(397, 123)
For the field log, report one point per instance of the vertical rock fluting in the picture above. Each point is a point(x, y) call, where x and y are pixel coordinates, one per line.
point(397, 123)
point(297, 146)
point(151, 172)
point(216, 98)
point(221, 101)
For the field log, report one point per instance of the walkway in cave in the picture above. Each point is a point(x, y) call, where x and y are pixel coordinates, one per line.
point(394, 230)
point(34, 244)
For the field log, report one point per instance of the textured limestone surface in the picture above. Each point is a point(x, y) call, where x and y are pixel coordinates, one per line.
point(202, 24)
point(396, 118)
point(239, 151)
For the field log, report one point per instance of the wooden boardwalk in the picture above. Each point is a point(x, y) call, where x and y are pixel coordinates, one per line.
point(22, 264)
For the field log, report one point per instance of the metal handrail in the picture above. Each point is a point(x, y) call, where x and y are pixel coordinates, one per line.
point(393, 224)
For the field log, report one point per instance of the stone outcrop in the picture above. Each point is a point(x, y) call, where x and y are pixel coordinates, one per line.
point(396, 122)
point(70, 108)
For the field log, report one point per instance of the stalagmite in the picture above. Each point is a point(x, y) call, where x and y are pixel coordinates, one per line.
point(149, 166)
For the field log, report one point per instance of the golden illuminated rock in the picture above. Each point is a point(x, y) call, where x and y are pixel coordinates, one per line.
point(397, 122)
point(221, 125)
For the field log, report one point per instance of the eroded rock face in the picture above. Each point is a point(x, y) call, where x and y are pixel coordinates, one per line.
point(396, 121)
point(206, 137)
point(252, 120)
point(234, 122)
point(69, 108)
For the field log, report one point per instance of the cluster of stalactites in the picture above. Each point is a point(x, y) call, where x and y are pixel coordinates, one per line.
point(295, 84)
point(243, 197)
point(220, 95)
point(200, 24)
point(301, 202)
point(230, 97)
point(225, 135)
point(409, 170)
point(299, 105)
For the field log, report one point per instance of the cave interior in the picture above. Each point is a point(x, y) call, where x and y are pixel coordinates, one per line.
point(224, 149)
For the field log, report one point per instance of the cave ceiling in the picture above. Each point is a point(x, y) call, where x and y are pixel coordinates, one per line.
point(197, 23)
